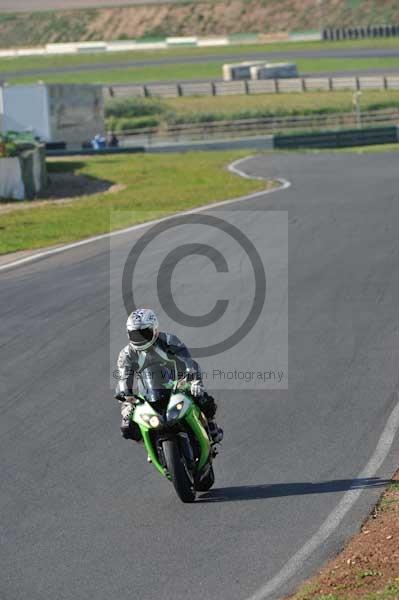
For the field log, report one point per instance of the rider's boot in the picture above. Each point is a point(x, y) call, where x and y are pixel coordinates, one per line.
point(215, 431)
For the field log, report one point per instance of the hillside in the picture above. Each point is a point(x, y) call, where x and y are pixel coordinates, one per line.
point(40, 5)
point(189, 18)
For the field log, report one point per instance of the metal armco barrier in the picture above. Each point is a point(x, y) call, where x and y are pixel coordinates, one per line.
point(261, 86)
point(337, 139)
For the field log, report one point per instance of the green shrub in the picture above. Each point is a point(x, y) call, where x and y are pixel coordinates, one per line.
point(7, 147)
point(134, 107)
point(383, 104)
point(122, 125)
point(7, 17)
point(175, 119)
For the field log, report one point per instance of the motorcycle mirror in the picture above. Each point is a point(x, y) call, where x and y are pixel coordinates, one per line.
point(190, 375)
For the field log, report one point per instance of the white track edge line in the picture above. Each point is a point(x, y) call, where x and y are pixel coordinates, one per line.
point(337, 515)
point(233, 168)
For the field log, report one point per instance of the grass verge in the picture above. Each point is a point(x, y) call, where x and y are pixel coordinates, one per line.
point(155, 185)
point(285, 104)
point(368, 568)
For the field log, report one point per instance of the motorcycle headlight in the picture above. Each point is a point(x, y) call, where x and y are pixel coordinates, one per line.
point(155, 421)
point(174, 412)
point(152, 420)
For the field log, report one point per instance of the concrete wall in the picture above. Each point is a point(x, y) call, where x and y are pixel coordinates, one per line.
point(11, 183)
point(34, 171)
point(23, 177)
point(76, 112)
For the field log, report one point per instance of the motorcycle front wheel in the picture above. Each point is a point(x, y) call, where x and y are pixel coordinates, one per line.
point(181, 480)
point(207, 482)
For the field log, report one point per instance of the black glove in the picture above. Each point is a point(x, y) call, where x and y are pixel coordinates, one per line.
point(121, 396)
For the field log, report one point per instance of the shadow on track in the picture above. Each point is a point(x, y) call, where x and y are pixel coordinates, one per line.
point(276, 490)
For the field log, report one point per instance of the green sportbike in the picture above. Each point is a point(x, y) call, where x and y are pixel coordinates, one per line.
point(174, 431)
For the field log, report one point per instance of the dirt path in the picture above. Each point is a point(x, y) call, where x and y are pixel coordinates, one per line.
point(63, 188)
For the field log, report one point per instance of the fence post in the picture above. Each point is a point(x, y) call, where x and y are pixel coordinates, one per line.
point(246, 86)
point(357, 83)
point(179, 89)
point(276, 86)
point(213, 87)
point(385, 78)
point(146, 91)
point(330, 84)
point(303, 84)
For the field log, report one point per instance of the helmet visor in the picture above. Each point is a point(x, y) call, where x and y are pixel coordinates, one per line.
point(141, 337)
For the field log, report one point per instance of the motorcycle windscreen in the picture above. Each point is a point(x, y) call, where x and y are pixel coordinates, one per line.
point(155, 383)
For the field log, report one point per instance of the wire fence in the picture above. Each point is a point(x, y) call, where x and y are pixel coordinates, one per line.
point(256, 127)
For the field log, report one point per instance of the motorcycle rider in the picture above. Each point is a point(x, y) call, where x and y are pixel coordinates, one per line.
point(146, 346)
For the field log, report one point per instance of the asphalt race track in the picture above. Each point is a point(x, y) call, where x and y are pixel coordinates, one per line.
point(84, 516)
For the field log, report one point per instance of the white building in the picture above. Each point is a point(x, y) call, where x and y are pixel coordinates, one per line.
point(55, 113)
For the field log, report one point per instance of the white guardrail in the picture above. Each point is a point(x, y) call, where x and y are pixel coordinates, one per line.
point(131, 45)
point(263, 86)
point(117, 46)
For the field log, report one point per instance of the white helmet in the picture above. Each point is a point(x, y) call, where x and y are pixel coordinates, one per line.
point(142, 328)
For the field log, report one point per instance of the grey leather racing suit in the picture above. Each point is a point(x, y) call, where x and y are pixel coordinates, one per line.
point(171, 353)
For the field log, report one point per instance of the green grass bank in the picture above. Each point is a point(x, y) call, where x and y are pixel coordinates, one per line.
point(150, 186)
